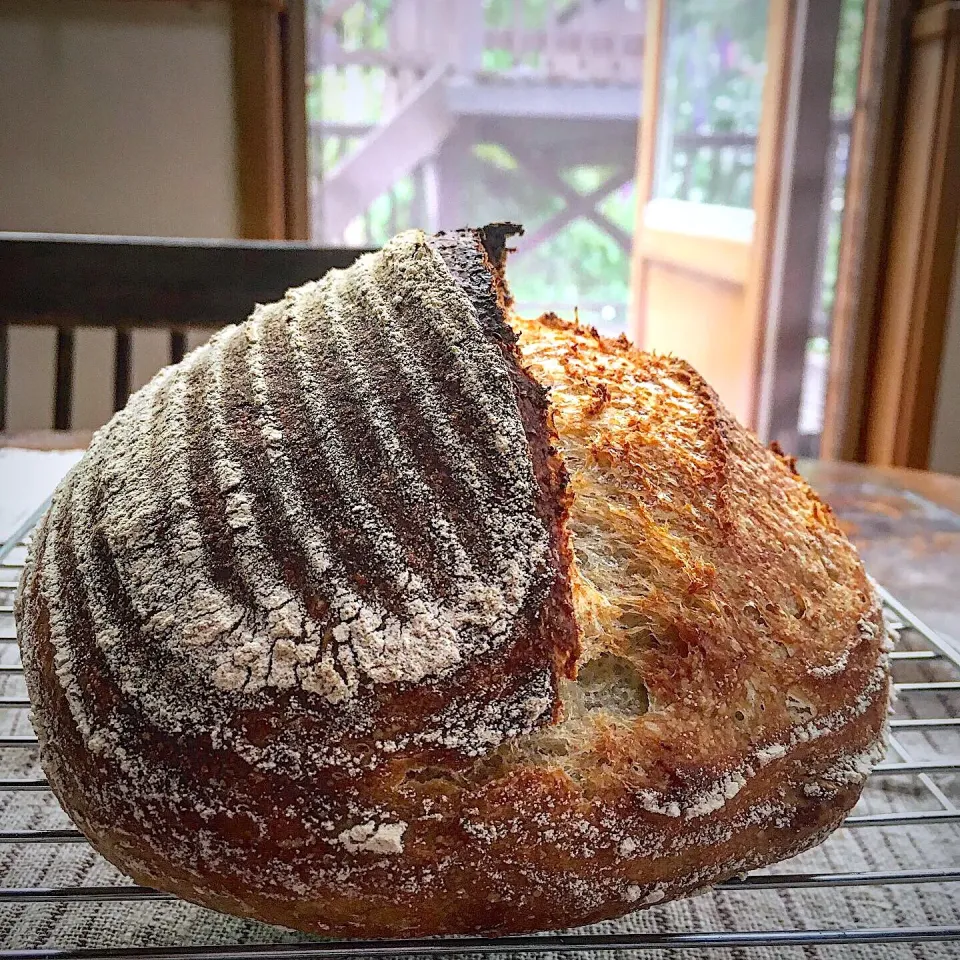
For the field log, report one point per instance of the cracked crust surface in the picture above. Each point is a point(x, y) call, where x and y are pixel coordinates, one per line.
point(341, 626)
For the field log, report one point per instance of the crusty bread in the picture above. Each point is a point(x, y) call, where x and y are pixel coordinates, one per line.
point(347, 624)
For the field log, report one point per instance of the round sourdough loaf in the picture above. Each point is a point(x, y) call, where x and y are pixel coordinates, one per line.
point(389, 613)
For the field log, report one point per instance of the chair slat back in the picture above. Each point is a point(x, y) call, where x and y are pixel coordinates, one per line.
point(85, 321)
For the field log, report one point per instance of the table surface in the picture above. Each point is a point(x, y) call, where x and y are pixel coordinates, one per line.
point(906, 524)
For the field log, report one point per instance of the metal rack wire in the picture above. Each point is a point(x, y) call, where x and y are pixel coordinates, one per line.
point(918, 647)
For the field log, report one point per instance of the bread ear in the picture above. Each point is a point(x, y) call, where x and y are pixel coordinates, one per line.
point(476, 258)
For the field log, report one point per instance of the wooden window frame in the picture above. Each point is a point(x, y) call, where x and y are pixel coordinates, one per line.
point(269, 85)
point(897, 257)
point(797, 120)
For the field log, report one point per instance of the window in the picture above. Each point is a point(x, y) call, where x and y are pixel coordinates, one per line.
point(713, 72)
point(442, 113)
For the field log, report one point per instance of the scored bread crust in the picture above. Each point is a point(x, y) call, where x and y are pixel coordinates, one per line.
point(672, 667)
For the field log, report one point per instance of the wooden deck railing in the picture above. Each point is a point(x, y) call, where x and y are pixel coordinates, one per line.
point(597, 41)
point(728, 153)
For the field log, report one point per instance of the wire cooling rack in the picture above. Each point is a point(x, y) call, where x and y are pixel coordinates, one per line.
point(927, 681)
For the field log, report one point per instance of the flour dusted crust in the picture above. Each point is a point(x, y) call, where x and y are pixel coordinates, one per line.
point(346, 623)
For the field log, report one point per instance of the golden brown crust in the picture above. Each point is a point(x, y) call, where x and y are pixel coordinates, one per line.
point(732, 685)
point(737, 565)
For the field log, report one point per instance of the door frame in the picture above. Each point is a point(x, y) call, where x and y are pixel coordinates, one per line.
point(268, 41)
point(790, 202)
point(896, 271)
point(646, 158)
point(786, 224)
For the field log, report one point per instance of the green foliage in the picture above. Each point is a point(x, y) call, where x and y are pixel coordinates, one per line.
point(848, 57)
point(579, 264)
point(621, 207)
point(363, 26)
point(533, 13)
point(844, 99)
point(528, 15)
point(712, 84)
point(714, 65)
point(495, 155)
point(390, 212)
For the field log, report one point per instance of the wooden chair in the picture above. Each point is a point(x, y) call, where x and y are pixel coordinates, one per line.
point(84, 321)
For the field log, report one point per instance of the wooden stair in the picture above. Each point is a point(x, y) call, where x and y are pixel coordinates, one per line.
point(415, 132)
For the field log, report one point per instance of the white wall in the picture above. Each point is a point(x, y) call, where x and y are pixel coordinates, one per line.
point(945, 445)
point(116, 116)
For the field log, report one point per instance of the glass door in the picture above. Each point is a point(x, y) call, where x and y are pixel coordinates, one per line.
point(737, 190)
point(696, 225)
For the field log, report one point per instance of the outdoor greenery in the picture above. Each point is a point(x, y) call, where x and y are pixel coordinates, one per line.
point(714, 67)
point(844, 99)
point(712, 87)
